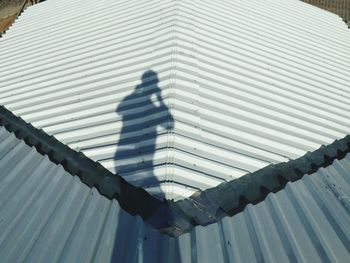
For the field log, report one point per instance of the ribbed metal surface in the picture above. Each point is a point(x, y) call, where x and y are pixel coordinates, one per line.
point(247, 83)
point(47, 215)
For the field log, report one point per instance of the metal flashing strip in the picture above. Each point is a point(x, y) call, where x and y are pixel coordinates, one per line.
point(47, 215)
point(228, 199)
point(132, 199)
point(176, 218)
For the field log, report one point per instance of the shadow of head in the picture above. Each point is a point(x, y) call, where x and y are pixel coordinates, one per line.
point(149, 76)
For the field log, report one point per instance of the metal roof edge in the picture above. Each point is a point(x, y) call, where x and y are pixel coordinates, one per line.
point(169, 217)
point(335, 10)
point(23, 7)
point(229, 198)
point(133, 200)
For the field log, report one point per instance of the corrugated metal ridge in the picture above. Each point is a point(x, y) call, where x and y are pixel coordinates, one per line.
point(176, 218)
point(228, 199)
point(56, 218)
point(134, 200)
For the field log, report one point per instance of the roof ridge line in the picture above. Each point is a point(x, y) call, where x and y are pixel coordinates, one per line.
point(230, 198)
point(133, 200)
point(169, 217)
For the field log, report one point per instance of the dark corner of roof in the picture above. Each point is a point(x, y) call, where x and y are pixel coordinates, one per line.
point(229, 198)
point(132, 199)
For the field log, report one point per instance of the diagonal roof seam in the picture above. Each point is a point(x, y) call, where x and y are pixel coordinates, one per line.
point(169, 217)
point(211, 205)
point(134, 200)
point(296, 223)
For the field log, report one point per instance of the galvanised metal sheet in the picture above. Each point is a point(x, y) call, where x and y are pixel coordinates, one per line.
point(180, 95)
point(48, 215)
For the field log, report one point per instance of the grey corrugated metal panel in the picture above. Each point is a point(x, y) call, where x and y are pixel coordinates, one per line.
point(315, 15)
point(269, 92)
point(54, 217)
point(247, 83)
point(84, 8)
point(249, 44)
point(107, 56)
point(307, 221)
point(146, 55)
point(229, 124)
point(111, 20)
point(239, 66)
point(305, 23)
point(222, 105)
point(305, 17)
point(185, 128)
point(182, 147)
point(36, 15)
point(49, 215)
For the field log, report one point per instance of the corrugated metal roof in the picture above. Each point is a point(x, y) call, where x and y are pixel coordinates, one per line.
point(175, 218)
point(134, 200)
point(48, 215)
point(247, 83)
point(228, 199)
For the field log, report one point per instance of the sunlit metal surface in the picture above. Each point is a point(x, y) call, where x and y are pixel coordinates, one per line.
point(241, 84)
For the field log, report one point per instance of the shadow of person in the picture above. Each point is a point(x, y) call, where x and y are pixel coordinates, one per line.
point(144, 117)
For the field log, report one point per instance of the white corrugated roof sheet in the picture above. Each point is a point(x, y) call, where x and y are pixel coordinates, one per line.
point(48, 215)
point(241, 84)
